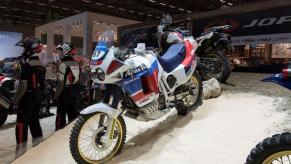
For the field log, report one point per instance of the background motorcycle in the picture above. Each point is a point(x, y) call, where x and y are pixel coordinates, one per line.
point(275, 149)
point(8, 85)
point(213, 46)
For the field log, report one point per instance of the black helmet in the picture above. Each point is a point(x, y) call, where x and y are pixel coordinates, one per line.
point(31, 45)
point(166, 20)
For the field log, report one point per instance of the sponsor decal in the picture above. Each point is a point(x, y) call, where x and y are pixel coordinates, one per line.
point(268, 21)
point(147, 98)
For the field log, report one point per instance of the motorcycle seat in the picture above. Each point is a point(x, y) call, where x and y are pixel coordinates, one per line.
point(173, 57)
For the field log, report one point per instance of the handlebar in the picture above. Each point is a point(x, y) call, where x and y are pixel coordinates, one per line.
point(218, 29)
point(181, 30)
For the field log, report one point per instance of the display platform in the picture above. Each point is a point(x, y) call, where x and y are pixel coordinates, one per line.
point(222, 130)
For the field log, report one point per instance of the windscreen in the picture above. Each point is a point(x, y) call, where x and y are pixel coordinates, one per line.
point(104, 43)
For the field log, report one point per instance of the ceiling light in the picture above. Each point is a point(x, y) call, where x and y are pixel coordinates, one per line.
point(110, 6)
point(189, 11)
point(3, 7)
point(65, 9)
point(39, 13)
point(122, 9)
point(41, 4)
point(222, 1)
point(229, 4)
point(27, 1)
point(152, 1)
point(99, 4)
point(6, 15)
point(157, 17)
point(163, 4)
point(78, 11)
point(56, 7)
point(150, 15)
point(87, 1)
point(172, 7)
point(131, 11)
point(140, 13)
point(15, 9)
point(27, 11)
point(16, 16)
point(181, 9)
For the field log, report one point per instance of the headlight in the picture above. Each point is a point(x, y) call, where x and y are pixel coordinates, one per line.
point(100, 74)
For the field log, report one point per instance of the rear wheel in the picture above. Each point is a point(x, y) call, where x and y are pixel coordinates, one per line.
point(85, 139)
point(3, 118)
point(216, 66)
point(45, 107)
point(193, 99)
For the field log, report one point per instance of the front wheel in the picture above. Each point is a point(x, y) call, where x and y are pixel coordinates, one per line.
point(216, 66)
point(85, 140)
point(193, 98)
point(272, 150)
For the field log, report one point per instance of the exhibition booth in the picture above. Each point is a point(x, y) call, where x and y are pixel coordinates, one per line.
point(82, 30)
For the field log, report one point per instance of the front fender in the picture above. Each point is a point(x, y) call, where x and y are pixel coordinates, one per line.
point(101, 107)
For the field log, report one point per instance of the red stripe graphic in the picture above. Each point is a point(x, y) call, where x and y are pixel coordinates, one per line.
point(20, 132)
point(189, 57)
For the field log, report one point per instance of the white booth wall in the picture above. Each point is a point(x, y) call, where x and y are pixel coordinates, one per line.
point(87, 26)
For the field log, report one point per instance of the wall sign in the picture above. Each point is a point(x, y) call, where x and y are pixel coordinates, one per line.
point(267, 26)
point(7, 44)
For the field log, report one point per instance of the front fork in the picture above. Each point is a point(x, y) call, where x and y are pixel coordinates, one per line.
point(116, 92)
point(107, 138)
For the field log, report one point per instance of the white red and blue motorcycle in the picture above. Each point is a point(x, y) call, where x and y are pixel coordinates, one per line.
point(145, 84)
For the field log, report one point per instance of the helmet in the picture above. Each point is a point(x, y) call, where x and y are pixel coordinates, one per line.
point(31, 45)
point(166, 20)
point(66, 48)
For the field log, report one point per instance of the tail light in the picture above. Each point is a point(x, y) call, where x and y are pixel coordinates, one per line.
point(286, 73)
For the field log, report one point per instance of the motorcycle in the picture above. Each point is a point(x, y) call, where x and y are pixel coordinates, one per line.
point(145, 84)
point(47, 101)
point(7, 84)
point(275, 149)
point(213, 46)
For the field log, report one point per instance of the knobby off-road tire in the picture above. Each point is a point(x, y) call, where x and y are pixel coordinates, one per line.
point(182, 108)
point(74, 144)
point(225, 69)
point(271, 148)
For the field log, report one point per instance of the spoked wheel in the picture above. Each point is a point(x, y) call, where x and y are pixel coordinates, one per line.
point(217, 66)
point(273, 150)
point(193, 97)
point(86, 138)
point(282, 157)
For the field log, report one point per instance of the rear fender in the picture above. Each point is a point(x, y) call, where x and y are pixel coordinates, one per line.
point(278, 79)
point(101, 107)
